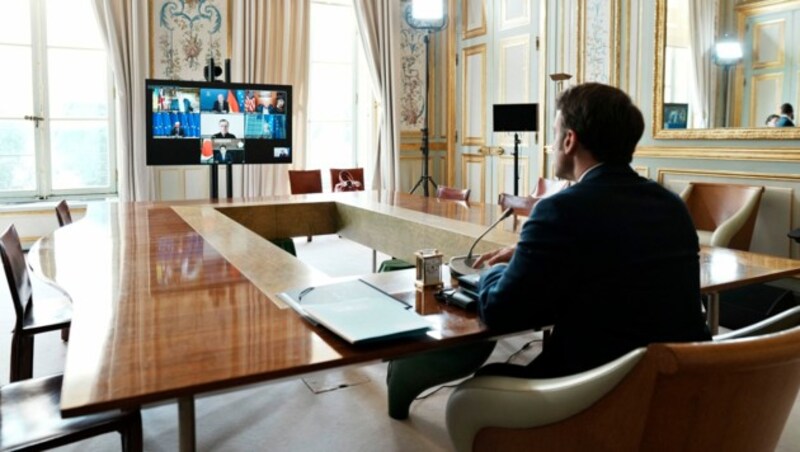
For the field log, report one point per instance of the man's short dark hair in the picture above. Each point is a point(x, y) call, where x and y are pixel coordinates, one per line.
point(787, 109)
point(605, 120)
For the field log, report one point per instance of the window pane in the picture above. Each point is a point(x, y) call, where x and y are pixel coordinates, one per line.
point(332, 32)
point(72, 23)
point(330, 144)
point(18, 87)
point(330, 92)
point(15, 22)
point(79, 154)
point(17, 165)
point(78, 84)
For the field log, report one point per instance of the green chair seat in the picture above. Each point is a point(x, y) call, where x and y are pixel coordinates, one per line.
point(392, 265)
point(286, 244)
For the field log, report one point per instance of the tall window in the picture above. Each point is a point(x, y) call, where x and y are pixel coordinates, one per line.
point(340, 126)
point(55, 119)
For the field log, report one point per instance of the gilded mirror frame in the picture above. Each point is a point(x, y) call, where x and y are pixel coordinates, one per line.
point(660, 133)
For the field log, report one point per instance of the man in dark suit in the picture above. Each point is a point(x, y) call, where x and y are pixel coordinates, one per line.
point(224, 125)
point(177, 130)
point(225, 155)
point(611, 262)
point(221, 105)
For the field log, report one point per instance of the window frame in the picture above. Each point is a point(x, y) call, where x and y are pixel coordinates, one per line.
point(43, 152)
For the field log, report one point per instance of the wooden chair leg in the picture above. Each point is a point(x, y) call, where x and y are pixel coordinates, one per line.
point(65, 334)
point(132, 433)
point(21, 358)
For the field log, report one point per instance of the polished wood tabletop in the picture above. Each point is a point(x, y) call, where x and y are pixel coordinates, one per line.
point(175, 299)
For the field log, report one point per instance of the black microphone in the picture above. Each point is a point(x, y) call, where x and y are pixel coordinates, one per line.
point(462, 265)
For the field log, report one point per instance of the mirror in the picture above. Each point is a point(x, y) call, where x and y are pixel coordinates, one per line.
point(699, 95)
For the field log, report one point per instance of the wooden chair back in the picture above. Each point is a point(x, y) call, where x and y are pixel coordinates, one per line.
point(455, 194)
point(357, 173)
point(522, 205)
point(547, 187)
point(19, 283)
point(711, 204)
point(305, 181)
point(63, 214)
point(733, 396)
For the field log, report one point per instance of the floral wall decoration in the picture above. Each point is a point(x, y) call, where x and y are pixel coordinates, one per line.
point(412, 101)
point(184, 34)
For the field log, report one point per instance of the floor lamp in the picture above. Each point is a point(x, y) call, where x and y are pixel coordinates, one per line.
point(427, 15)
point(516, 118)
point(727, 54)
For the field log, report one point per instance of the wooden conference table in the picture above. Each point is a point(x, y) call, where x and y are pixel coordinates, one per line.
point(177, 299)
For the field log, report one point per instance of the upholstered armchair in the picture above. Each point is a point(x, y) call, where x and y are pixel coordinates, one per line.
point(731, 395)
point(723, 214)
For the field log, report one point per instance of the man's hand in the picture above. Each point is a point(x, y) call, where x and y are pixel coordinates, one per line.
point(495, 257)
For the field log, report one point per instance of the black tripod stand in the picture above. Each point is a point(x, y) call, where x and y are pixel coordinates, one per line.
point(425, 177)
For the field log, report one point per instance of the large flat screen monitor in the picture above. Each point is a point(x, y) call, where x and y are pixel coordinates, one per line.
point(195, 123)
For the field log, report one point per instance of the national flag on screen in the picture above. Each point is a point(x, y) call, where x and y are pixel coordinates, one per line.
point(250, 104)
point(233, 104)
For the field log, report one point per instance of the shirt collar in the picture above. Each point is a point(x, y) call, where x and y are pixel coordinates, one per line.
point(589, 171)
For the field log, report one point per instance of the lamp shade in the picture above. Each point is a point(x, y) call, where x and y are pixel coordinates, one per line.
point(516, 117)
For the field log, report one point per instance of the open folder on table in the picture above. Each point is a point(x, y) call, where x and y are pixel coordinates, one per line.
point(356, 311)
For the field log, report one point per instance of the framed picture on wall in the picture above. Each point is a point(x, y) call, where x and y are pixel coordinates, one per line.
point(676, 116)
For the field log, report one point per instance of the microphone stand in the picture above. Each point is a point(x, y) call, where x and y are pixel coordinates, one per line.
point(462, 265)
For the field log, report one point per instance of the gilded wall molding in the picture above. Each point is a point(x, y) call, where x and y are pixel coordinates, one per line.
point(468, 53)
point(479, 30)
point(720, 153)
point(763, 133)
point(722, 173)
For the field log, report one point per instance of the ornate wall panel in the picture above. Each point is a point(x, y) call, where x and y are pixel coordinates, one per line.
point(505, 179)
point(473, 96)
point(473, 175)
point(473, 15)
point(598, 41)
point(514, 13)
point(412, 100)
point(184, 34)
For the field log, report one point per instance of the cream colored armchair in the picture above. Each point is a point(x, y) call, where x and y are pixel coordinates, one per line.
point(732, 395)
point(723, 214)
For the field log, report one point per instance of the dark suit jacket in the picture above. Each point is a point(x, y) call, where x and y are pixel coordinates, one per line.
point(232, 156)
point(784, 121)
point(177, 132)
point(612, 262)
point(221, 108)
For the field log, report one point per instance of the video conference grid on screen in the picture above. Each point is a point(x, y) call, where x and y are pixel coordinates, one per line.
point(218, 123)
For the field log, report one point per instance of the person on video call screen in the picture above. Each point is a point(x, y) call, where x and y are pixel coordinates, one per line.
point(223, 130)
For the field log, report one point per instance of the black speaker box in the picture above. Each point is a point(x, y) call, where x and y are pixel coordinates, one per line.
point(751, 304)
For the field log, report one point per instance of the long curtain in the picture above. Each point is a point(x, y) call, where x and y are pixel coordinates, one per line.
point(701, 35)
point(379, 23)
point(270, 45)
point(124, 25)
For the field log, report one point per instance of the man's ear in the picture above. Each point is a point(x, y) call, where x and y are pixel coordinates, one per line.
point(570, 142)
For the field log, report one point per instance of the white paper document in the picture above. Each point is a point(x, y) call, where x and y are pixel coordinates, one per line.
point(356, 311)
